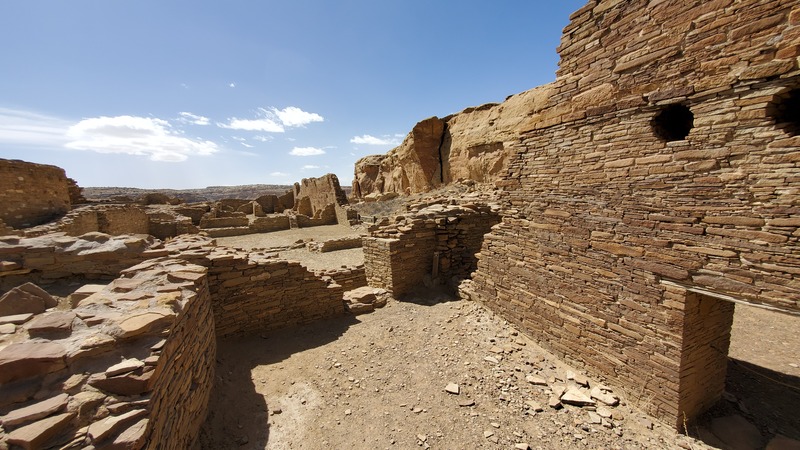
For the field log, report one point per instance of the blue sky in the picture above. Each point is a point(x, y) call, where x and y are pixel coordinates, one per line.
point(180, 94)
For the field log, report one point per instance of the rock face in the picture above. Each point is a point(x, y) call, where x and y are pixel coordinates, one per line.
point(27, 298)
point(470, 145)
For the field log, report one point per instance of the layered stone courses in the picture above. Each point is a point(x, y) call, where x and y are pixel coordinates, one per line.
point(599, 211)
point(32, 194)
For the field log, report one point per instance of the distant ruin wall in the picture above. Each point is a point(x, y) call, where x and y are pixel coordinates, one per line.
point(665, 157)
point(32, 194)
point(109, 219)
point(316, 197)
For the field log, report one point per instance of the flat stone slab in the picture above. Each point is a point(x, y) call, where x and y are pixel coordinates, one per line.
point(604, 397)
point(129, 365)
point(52, 322)
point(27, 359)
point(98, 431)
point(145, 323)
point(35, 435)
point(575, 397)
point(35, 411)
point(16, 319)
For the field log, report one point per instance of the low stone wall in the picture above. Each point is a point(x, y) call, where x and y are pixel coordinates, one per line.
point(434, 245)
point(109, 219)
point(90, 256)
point(131, 367)
point(270, 223)
point(332, 245)
point(348, 277)
point(252, 291)
point(224, 222)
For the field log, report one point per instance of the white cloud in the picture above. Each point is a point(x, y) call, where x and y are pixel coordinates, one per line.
point(187, 117)
point(145, 136)
point(232, 85)
point(310, 167)
point(306, 151)
point(246, 144)
point(20, 127)
point(372, 140)
point(265, 124)
point(263, 138)
point(278, 174)
point(273, 120)
point(292, 116)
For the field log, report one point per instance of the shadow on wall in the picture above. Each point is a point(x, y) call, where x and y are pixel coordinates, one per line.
point(238, 413)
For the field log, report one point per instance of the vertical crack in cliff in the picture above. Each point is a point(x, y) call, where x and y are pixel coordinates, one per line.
point(441, 158)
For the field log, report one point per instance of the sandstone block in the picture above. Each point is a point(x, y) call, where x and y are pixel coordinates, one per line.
point(27, 298)
point(27, 359)
point(36, 435)
point(35, 411)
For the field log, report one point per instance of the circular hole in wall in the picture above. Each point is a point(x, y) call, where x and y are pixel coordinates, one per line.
point(785, 110)
point(673, 122)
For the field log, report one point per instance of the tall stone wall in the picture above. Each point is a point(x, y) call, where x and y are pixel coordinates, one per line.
point(664, 157)
point(32, 194)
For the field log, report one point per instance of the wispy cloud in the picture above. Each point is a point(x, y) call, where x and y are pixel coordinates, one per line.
point(265, 124)
point(372, 140)
point(310, 167)
point(145, 136)
point(274, 120)
point(278, 174)
point(306, 151)
point(263, 138)
point(232, 85)
point(187, 117)
point(20, 127)
point(246, 144)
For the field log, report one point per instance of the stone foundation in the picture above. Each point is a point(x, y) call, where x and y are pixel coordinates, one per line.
point(32, 194)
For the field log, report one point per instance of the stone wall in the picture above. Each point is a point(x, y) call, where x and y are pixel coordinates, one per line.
point(252, 291)
point(132, 366)
point(436, 245)
point(32, 194)
point(663, 157)
point(109, 219)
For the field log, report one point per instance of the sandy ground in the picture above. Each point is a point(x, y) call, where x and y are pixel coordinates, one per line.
point(378, 381)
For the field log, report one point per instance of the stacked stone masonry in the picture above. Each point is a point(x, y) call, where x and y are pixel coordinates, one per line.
point(132, 366)
point(610, 225)
point(32, 194)
point(435, 245)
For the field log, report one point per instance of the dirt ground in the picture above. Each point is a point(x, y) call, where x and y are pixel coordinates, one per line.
point(378, 381)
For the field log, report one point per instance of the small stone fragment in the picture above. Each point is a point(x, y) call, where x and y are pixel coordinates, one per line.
point(535, 380)
point(452, 388)
point(35, 411)
point(607, 398)
point(522, 446)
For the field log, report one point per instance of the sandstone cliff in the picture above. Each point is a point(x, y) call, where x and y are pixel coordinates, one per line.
point(470, 145)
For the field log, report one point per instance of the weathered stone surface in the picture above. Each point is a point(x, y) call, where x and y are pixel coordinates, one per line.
point(31, 194)
point(27, 298)
point(146, 322)
point(53, 322)
point(317, 198)
point(18, 361)
point(99, 431)
point(35, 435)
point(129, 365)
point(17, 319)
point(35, 411)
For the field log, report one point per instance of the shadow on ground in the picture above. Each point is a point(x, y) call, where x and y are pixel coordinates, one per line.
point(238, 415)
point(759, 404)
